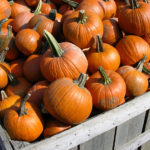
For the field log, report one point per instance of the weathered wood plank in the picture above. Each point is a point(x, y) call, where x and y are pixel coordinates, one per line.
point(136, 142)
point(129, 130)
point(94, 126)
point(75, 148)
point(101, 142)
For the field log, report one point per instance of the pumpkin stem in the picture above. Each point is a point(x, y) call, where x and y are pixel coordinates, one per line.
point(38, 23)
point(13, 79)
point(82, 18)
point(3, 54)
point(146, 1)
point(11, 2)
point(71, 3)
point(145, 70)
point(53, 45)
point(81, 80)
point(9, 31)
point(105, 79)
point(2, 22)
point(99, 44)
point(134, 4)
point(141, 64)
point(106, 0)
point(127, 2)
point(3, 95)
point(38, 9)
point(52, 14)
point(22, 109)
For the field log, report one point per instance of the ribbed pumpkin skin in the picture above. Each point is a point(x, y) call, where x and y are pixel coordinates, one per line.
point(147, 38)
point(82, 34)
point(111, 31)
point(67, 102)
point(28, 41)
point(7, 103)
point(109, 59)
point(138, 19)
point(2, 15)
point(18, 7)
point(132, 49)
point(53, 127)
point(109, 96)
point(47, 7)
point(5, 7)
point(29, 126)
point(70, 64)
point(21, 20)
point(136, 82)
point(37, 92)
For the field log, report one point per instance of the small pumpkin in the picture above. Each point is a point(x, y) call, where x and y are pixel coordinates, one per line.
point(5, 7)
point(102, 54)
point(62, 60)
point(28, 118)
point(133, 48)
point(57, 100)
point(7, 102)
point(107, 89)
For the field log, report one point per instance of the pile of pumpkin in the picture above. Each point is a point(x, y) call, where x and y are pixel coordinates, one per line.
point(102, 58)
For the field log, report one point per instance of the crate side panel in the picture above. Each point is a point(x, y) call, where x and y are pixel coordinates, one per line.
point(101, 142)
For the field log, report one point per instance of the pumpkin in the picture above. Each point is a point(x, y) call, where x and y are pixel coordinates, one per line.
point(146, 70)
point(21, 20)
point(37, 92)
point(28, 41)
point(18, 86)
point(81, 26)
point(112, 31)
point(109, 7)
point(2, 15)
point(53, 127)
point(132, 48)
point(102, 54)
point(28, 118)
point(4, 69)
point(17, 67)
point(147, 38)
point(7, 102)
point(62, 60)
point(31, 68)
point(137, 16)
point(32, 2)
point(18, 7)
point(57, 100)
point(107, 89)
point(8, 22)
point(5, 7)
point(136, 81)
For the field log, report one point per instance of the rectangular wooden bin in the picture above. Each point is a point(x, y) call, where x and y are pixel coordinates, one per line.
point(126, 127)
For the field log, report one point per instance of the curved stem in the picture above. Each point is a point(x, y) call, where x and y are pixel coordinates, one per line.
point(22, 109)
point(3, 95)
point(53, 45)
point(81, 80)
point(141, 64)
point(2, 22)
point(36, 26)
point(82, 18)
point(105, 79)
point(38, 9)
point(13, 80)
point(71, 3)
point(99, 44)
point(3, 54)
point(52, 14)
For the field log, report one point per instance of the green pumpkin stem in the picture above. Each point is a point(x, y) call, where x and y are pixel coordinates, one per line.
point(134, 4)
point(11, 2)
point(99, 44)
point(71, 3)
point(52, 14)
point(13, 79)
point(145, 70)
point(3, 95)
point(82, 18)
point(105, 79)
point(37, 25)
point(22, 109)
point(3, 54)
point(141, 64)
point(9, 31)
point(38, 9)
point(53, 44)
point(146, 1)
point(2, 22)
point(81, 80)
point(127, 2)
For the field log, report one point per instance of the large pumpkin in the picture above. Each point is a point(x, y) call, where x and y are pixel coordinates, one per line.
point(62, 60)
point(68, 100)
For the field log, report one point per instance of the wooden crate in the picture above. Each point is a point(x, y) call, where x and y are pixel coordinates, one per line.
point(126, 127)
